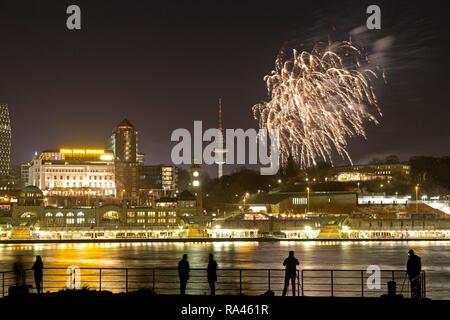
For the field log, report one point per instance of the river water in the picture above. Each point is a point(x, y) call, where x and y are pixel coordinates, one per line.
point(312, 255)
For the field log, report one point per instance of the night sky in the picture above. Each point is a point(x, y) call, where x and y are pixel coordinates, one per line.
point(163, 65)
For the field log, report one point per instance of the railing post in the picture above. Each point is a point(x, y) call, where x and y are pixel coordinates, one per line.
point(298, 283)
point(240, 281)
point(303, 285)
point(362, 283)
point(332, 283)
point(153, 280)
point(126, 280)
point(3, 284)
point(100, 278)
point(423, 285)
point(269, 278)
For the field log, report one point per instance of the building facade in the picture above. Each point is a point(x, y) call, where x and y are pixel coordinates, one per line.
point(30, 218)
point(162, 177)
point(124, 146)
point(370, 172)
point(303, 202)
point(25, 174)
point(5, 140)
point(74, 172)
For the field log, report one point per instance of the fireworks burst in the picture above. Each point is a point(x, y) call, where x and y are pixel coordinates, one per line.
point(318, 101)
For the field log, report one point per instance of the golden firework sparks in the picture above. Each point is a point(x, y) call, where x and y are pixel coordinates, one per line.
point(319, 100)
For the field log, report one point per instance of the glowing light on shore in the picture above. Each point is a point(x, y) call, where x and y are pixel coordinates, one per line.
point(318, 100)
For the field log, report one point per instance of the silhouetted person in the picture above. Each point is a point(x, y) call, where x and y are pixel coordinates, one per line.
point(38, 267)
point(212, 274)
point(413, 268)
point(291, 264)
point(183, 273)
point(19, 272)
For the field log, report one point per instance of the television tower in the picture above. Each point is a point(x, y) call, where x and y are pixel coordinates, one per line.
point(220, 151)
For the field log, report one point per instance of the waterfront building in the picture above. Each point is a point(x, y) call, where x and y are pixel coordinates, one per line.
point(30, 216)
point(173, 217)
point(381, 199)
point(74, 172)
point(292, 203)
point(124, 145)
point(107, 220)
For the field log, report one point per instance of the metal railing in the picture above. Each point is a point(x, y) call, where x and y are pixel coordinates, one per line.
point(309, 282)
point(356, 283)
point(158, 280)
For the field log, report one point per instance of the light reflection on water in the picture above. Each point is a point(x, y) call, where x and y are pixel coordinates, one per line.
point(312, 255)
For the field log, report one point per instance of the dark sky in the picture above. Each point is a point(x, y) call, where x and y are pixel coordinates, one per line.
point(163, 64)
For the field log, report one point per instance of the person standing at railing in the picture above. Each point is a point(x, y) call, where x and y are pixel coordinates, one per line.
point(212, 274)
point(183, 273)
point(291, 264)
point(38, 267)
point(414, 268)
point(19, 272)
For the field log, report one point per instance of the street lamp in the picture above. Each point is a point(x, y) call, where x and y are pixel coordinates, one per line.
point(245, 198)
point(417, 198)
point(308, 190)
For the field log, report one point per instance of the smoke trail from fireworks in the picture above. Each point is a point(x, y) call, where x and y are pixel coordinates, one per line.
point(318, 101)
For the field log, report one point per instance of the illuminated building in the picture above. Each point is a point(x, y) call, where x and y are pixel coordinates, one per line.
point(187, 204)
point(108, 221)
point(157, 181)
point(370, 172)
point(25, 173)
point(5, 140)
point(140, 158)
point(15, 173)
point(124, 146)
point(74, 172)
point(7, 183)
point(162, 177)
point(293, 203)
point(169, 177)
